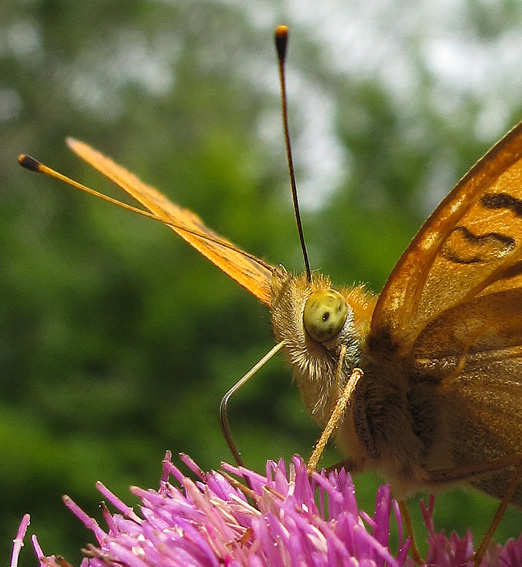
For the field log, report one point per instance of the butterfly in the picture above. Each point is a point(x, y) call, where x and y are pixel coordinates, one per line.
point(438, 354)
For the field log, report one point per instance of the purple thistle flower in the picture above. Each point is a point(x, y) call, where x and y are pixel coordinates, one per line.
point(285, 518)
point(458, 552)
point(273, 520)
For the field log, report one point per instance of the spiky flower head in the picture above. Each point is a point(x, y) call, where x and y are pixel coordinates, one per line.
point(239, 518)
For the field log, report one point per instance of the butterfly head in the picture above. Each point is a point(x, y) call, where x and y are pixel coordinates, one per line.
point(316, 321)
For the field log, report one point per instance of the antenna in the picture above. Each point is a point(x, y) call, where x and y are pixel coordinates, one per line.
point(281, 41)
point(33, 164)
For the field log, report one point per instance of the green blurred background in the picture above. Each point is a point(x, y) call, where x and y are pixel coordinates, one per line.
point(117, 341)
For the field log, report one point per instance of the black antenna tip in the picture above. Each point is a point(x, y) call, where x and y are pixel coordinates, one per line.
point(281, 41)
point(29, 162)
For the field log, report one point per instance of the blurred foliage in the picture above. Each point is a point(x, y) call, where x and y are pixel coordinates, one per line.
point(117, 341)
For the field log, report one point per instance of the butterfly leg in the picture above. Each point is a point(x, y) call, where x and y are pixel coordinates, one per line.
point(223, 408)
point(409, 530)
point(481, 549)
point(337, 414)
point(467, 472)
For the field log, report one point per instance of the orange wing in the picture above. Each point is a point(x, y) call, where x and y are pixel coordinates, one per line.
point(249, 271)
point(450, 320)
point(470, 246)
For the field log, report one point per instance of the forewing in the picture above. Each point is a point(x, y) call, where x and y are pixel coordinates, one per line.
point(471, 246)
point(249, 271)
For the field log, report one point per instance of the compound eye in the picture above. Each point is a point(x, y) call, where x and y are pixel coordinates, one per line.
point(324, 314)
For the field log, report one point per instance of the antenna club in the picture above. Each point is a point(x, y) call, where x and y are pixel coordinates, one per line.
point(281, 41)
point(29, 162)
